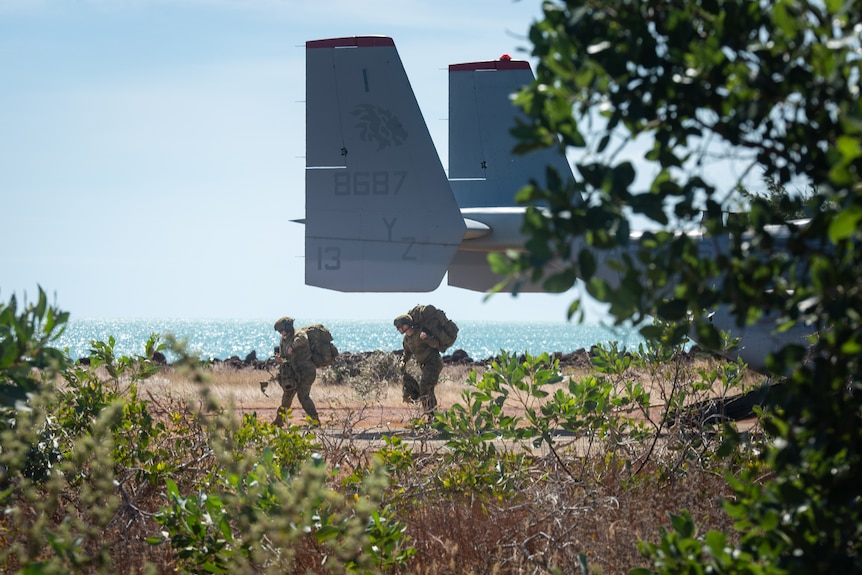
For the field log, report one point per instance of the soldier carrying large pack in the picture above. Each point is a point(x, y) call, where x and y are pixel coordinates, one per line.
point(427, 332)
point(299, 354)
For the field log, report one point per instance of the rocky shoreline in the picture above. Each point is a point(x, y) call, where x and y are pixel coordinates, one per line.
point(579, 359)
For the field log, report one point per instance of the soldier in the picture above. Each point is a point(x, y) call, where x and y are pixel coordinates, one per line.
point(296, 371)
point(423, 346)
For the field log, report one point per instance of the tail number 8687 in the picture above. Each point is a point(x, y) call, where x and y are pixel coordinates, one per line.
point(369, 183)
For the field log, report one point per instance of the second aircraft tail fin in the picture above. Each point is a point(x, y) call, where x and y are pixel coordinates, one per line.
point(483, 168)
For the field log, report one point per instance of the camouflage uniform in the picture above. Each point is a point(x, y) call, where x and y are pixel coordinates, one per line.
point(425, 351)
point(296, 373)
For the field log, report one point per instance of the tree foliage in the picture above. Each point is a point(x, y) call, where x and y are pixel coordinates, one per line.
point(774, 86)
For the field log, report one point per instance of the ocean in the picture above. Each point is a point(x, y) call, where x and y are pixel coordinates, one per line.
point(222, 339)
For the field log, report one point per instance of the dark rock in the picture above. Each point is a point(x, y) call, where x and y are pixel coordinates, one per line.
point(459, 356)
point(159, 358)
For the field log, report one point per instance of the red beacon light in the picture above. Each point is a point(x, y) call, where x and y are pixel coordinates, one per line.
point(505, 58)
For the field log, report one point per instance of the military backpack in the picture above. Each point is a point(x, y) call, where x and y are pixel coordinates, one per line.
point(323, 351)
point(434, 320)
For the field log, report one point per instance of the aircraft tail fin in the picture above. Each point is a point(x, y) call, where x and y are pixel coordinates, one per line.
point(380, 214)
point(483, 169)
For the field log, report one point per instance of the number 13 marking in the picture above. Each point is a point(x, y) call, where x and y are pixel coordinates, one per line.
point(329, 258)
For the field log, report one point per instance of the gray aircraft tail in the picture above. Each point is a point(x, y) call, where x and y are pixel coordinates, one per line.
point(380, 214)
point(483, 168)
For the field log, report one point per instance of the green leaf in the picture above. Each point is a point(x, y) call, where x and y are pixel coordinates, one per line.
point(683, 523)
point(845, 224)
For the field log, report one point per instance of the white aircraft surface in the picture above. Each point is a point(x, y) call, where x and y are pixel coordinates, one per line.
point(381, 213)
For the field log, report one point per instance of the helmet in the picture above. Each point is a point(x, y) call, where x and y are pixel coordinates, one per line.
point(403, 319)
point(284, 324)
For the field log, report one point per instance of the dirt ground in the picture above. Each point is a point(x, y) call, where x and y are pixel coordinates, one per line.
point(340, 409)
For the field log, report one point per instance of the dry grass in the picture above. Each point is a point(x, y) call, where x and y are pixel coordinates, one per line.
point(545, 533)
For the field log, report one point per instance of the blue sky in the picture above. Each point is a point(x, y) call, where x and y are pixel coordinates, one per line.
point(151, 151)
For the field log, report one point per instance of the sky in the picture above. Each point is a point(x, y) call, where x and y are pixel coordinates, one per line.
point(152, 151)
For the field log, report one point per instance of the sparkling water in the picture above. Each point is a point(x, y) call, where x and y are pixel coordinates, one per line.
point(221, 339)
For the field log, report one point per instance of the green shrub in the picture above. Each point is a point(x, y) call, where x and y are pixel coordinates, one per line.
point(259, 522)
point(26, 355)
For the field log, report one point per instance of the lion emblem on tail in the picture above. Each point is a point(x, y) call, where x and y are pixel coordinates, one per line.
point(380, 126)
